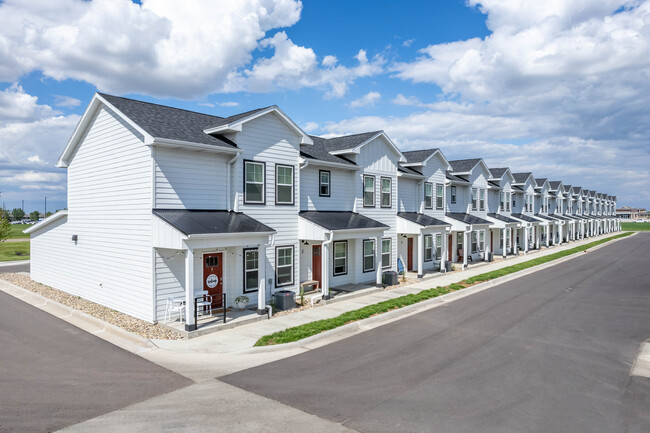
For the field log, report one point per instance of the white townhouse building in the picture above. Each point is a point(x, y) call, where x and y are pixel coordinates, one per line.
point(500, 191)
point(421, 227)
point(467, 209)
point(523, 210)
point(558, 210)
point(165, 203)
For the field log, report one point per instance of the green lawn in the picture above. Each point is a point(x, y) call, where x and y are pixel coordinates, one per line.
point(636, 227)
point(308, 329)
point(9, 250)
point(17, 231)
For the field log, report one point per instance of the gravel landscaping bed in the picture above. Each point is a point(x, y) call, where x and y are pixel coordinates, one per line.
point(124, 321)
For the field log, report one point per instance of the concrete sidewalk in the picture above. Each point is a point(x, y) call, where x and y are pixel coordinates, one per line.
point(243, 338)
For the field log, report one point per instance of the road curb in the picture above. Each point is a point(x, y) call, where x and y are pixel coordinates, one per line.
point(384, 318)
point(104, 330)
point(14, 263)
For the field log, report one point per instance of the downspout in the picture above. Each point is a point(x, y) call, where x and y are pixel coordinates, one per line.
point(327, 277)
point(228, 179)
point(270, 243)
point(417, 192)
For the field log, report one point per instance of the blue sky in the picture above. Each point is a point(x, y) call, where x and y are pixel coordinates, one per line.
point(557, 88)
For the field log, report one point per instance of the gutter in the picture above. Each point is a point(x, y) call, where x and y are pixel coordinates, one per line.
point(228, 179)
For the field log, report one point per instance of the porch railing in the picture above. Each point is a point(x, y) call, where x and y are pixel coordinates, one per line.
point(196, 309)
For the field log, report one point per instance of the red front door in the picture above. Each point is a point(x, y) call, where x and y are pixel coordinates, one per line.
point(491, 241)
point(213, 277)
point(409, 253)
point(449, 241)
point(316, 264)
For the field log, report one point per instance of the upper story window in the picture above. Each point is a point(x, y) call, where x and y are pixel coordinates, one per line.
point(508, 202)
point(502, 205)
point(514, 201)
point(284, 184)
point(386, 192)
point(453, 194)
point(324, 181)
point(368, 191)
point(254, 175)
point(440, 196)
point(481, 201)
point(474, 199)
point(428, 195)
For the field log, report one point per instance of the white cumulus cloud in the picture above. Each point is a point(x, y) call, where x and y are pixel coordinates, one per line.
point(367, 100)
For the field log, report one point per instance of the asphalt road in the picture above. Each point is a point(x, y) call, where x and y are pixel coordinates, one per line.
point(549, 352)
point(53, 374)
point(18, 267)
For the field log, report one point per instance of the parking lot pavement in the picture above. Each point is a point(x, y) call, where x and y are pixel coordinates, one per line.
point(11, 267)
point(548, 352)
point(52, 374)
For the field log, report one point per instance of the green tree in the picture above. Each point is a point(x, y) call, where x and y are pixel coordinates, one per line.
point(5, 227)
point(48, 214)
point(4, 214)
point(18, 214)
point(34, 215)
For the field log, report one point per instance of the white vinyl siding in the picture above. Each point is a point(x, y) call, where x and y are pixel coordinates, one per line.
point(341, 193)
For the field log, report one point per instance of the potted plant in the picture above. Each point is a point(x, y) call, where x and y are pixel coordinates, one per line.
point(241, 301)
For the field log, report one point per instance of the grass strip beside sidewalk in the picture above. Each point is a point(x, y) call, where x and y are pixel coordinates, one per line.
point(308, 329)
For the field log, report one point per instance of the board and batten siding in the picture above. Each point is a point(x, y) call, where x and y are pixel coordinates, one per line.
point(268, 139)
point(407, 189)
point(341, 193)
point(109, 202)
point(190, 180)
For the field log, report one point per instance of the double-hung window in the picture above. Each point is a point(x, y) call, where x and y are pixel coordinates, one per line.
point(284, 184)
point(508, 202)
point(428, 248)
point(368, 255)
point(324, 181)
point(368, 191)
point(283, 266)
point(428, 195)
point(386, 192)
point(453, 194)
point(254, 191)
point(340, 258)
point(386, 253)
point(251, 269)
point(438, 246)
point(481, 240)
point(474, 199)
point(503, 201)
point(514, 201)
point(481, 201)
point(474, 245)
point(440, 196)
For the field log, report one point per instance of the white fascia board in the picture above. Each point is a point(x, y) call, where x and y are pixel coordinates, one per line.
point(180, 144)
point(84, 123)
point(410, 175)
point(237, 125)
point(320, 163)
point(229, 235)
point(357, 149)
point(47, 221)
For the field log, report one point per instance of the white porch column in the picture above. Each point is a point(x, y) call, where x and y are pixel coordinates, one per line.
point(488, 235)
point(548, 233)
point(325, 267)
point(525, 240)
point(538, 237)
point(561, 234)
point(261, 279)
point(443, 250)
point(189, 289)
point(513, 240)
point(503, 242)
point(378, 279)
point(420, 254)
point(465, 242)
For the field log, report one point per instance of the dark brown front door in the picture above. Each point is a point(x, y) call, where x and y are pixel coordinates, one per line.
point(213, 277)
point(449, 248)
point(491, 241)
point(409, 253)
point(316, 264)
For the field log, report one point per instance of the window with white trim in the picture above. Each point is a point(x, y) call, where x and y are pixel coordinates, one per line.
point(386, 192)
point(428, 248)
point(254, 191)
point(428, 195)
point(481, 240)
point(438, 246)
point(324, 181)
point(503, 201)
point(368, 255)
point(251, 269)
point(474, 199)
point(474, 244)
point(283, 266)
point(368, 191)
point(508, 202)
point(453, 194)
point(340, 257)
point(481, 201)
point(284, 184)
point(440, 196)
point(386, 252)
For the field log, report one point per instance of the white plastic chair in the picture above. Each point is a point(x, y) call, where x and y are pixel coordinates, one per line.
point(174, 306)
point(204, 300)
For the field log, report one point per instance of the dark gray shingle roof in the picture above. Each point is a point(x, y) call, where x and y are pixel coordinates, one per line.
point(195, 222)
point(467, 218)
point(346, 141)
point(226, 120)
point(421, 219)
point(409, 170)
point(455, 178)
point(555, 184)
point(521, 177)
point(503, 218)
point(497, 173)
point(318, 151)
point(414, 156)
point(334, 220)
point(463, 165)
point(540, 182)
point(171, 123)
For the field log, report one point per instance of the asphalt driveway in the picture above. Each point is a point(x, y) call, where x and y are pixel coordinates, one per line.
point(53, 374)
point(549, 352)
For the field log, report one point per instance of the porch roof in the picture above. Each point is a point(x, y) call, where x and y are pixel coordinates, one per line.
point(503, 218)
point(341, 220)
point(421, 219)
point(201, 222)
point(526, 218)
point(467, 218)
point(546, 217)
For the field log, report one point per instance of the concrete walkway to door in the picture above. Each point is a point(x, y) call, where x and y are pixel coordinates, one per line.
point(244, 337)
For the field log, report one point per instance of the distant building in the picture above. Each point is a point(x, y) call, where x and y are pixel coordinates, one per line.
point(631, 213)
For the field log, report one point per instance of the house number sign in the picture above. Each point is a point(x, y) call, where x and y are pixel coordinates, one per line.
point(212, 281)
